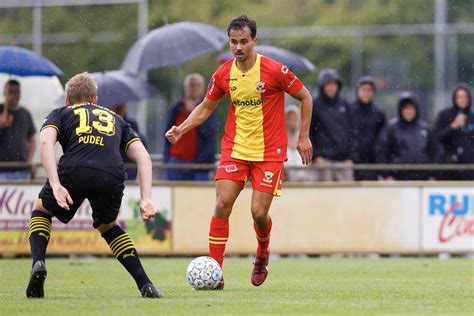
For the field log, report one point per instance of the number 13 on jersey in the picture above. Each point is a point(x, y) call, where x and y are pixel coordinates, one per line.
point(104, 124)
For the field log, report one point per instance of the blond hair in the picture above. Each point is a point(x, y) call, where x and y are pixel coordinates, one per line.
point(81, 88)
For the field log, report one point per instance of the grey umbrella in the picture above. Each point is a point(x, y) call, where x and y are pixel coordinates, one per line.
point(290, 59)
point(116, 87)
point(173, 44)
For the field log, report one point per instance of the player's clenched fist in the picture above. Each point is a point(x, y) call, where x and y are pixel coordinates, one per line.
point(174, 134)
point(147, 209)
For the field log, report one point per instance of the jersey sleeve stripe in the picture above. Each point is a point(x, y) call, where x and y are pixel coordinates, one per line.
point(129, 142)
point(50, 125)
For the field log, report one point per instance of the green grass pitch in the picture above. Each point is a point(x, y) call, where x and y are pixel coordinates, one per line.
point(335, 286)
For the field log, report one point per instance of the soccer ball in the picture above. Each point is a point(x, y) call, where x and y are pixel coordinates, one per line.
point(204, 273)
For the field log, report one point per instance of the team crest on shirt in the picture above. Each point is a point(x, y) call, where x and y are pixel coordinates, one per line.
point(260, 86)
point(284, 69)
point(268, 177)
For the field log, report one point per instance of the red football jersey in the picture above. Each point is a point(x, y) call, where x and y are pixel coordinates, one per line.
point(255, 129)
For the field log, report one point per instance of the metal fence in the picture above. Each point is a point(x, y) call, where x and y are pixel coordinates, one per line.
point(159, 167)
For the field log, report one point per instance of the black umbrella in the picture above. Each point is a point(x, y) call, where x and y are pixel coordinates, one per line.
point(288, 58)
point(173, 44)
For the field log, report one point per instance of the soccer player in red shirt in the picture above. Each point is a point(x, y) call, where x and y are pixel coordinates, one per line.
point(255, 140)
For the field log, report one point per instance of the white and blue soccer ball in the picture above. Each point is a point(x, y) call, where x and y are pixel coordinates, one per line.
point(204, 273)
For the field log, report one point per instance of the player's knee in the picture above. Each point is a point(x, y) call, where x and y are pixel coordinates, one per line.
point(223, 208)
point(39, 207)
point(259, 213)
point(260, 217)
point(105, 227)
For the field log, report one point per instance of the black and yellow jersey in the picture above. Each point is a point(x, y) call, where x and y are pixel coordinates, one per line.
point(91, 136)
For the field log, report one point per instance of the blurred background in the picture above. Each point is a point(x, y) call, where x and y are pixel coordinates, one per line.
point(424, 45)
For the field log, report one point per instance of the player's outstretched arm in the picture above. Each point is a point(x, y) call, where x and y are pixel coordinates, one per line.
point(198, 116)
point(137, 152)
point(48, 138)
point(304, 146)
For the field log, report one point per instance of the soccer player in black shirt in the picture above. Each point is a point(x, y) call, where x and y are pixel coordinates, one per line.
point(92, 138)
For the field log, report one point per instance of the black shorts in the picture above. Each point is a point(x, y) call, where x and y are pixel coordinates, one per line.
point(103, 190)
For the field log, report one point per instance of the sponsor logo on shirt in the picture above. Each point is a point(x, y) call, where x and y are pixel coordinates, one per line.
point(229, 168)
point(254, 102)
point(284, 69)
point(260, 86)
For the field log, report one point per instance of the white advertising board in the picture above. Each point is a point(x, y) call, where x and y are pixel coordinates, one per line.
point(448, 219)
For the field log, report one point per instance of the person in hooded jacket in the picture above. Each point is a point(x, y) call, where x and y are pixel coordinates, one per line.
point(330, 130)
point(455, 130)
point(408, 139)
point(368, 120)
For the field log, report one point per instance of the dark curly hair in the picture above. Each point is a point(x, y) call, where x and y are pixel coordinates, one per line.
point(240, 23)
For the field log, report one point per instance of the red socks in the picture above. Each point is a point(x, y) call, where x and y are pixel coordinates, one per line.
point(218, 236)
point(263, 237)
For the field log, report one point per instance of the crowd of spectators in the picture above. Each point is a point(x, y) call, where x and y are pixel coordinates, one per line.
point(342, 133)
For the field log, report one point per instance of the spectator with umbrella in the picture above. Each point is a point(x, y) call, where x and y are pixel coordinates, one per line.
point(17, 133)
point(173, 45)
point(197, 146)
point(17, 130)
